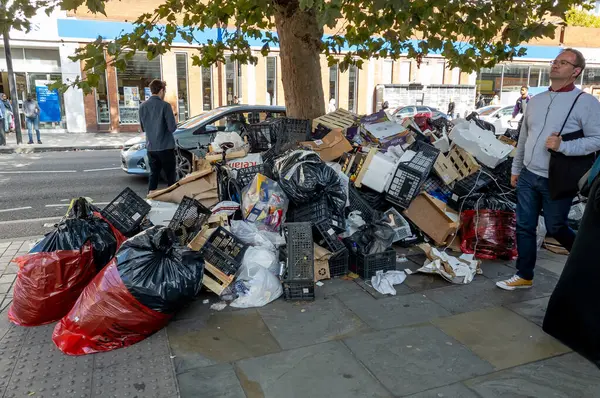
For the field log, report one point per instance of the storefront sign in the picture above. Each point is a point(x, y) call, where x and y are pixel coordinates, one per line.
point(48, 100)
point(132, 97)
point(147, 93)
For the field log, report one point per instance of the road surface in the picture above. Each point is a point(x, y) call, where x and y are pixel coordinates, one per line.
point(35, 189)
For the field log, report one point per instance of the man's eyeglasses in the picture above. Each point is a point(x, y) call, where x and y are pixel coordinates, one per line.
point(562, 62)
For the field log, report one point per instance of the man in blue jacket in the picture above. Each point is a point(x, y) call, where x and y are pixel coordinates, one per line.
point(542, 121)
point(522, 102)
point(158, 122)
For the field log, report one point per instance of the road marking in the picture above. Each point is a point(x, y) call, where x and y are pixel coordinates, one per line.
point(100, 203)
point(59, 205)
point(38, 171)
point(15, 209)
point(104, 169)
point(29, 220)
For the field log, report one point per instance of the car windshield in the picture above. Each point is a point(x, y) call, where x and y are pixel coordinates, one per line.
point(195, 121)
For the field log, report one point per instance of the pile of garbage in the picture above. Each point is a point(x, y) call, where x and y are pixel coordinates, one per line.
point(287, 206)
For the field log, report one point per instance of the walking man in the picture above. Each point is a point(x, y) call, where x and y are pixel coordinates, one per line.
point(522, 102)
point(4, 115)
point(542, 123)
point(32, 118)
point(158, 122)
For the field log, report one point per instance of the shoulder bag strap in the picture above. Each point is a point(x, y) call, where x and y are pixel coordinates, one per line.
point(569, 114)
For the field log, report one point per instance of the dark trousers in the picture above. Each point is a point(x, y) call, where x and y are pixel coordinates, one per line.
point(161, 161)
point(533, 195)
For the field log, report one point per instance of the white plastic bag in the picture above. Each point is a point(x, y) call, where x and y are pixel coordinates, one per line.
point(384, 282)
point(161, 213)
point(263, 287)
point(227, 137)
point(249, 234)
point(263, 257)
point(541, 232)
point(354, 222)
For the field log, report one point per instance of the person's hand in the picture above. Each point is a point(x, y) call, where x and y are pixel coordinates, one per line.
point(553, 142)
point(513, 180)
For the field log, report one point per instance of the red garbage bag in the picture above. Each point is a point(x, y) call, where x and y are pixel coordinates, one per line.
point(490, 234)
point(105, 317)
point(49, 283)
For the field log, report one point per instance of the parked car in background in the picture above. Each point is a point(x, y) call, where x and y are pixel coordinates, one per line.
point(412, 110)
point(501, 118)
point(487, 110)
point(196, 132)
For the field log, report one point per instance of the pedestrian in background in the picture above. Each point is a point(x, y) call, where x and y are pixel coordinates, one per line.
point(495, 100)
point(8, 113)
point(562, 105)
point(522, 102)
point(3, 115)
point(451, 106)
point(480, 102)
point(31, 109)
point(158, 122)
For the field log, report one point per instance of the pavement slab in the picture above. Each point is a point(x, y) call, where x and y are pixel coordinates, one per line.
point(222, 338)
point(322, 370)
point(534, 310)
point(551, 265)
point(415, 359)
point(566, 376)
point(501, 337)
point(300, 324)
point(457, 390)
point(334, 286)
point(394, 311)
point(219, 381)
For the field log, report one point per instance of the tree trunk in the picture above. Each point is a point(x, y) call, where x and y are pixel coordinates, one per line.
point(13, 86)
point(300, 39)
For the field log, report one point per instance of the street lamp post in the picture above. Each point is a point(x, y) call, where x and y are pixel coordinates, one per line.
point(13, 86)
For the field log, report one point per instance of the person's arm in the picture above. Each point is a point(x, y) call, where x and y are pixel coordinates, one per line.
point(140, 111)
point(517, 164)
point(515, 109)
point(590, 124)
point(170, 118)
point(37, 108)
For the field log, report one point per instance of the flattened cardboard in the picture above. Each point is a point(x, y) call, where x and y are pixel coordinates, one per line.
point(331, 147)
point(200, 185)
point(429, 214)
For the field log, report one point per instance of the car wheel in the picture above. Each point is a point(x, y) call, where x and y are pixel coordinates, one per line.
point(184, 164)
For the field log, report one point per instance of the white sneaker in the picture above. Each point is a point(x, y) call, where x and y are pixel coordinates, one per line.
point(516, 282)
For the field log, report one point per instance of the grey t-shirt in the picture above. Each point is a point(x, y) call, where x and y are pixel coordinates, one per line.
point(158, 122)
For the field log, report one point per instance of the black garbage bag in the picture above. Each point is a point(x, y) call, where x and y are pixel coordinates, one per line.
point(371, 238)
point(304, 177)
point(489, 201)
point(158, 272)
point(481, 123)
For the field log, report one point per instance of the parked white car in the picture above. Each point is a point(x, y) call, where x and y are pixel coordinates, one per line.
point(501, 118)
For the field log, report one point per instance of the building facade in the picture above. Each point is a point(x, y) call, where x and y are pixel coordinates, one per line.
point(42, 56)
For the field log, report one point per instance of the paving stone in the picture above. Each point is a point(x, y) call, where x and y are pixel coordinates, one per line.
point(197, 309)
point(7, 279)
point(219, 381)
point(366, 286)
point(501, 337)
point(334, 286)
point(300, 324)
point(149, 350)
point(222, 338)
point(393, 311)
point(419, 282)
point(552, 266)
point(323, 370)
point(567, 376)
point(415, 359)
point(483, 293)
point(11, 269)
point(534, 310)
point(40, 334)
point(5, 287)
point(495, 269)
point(457, 390)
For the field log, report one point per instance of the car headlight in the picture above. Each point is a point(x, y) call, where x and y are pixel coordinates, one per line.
point(137, 147)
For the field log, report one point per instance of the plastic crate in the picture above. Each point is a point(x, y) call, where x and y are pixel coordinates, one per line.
point(473, 183)
point(300, 251)
point(367, 265)
point(224, 251)
point(297, 129)
point(358, 203)
point(398, 223)
point(126, 211)
point(317, 211)
point(247, 174)
point(326, 237)
point(434, 186)
point(338, 263)
point(262, 136)
point(188, 220)
point(299, 291)
point(424, 159)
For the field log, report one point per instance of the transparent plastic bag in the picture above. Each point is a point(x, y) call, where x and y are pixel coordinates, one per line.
point(264, 203)
point(261, 285)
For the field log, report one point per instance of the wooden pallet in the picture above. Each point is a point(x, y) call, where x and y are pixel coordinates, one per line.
point(444, 168)
point(464, 163)
point(340, 119)
point(215, 280)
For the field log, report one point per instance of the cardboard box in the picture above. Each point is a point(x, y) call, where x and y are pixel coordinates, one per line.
point(200, 185)
point(331, 147)
point(480, 143)
point(322, 257)
point(433, 218)
point(445, 169)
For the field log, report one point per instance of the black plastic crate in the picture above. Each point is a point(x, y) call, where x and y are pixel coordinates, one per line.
point(262, 136)
point(299, 291)
point(434, 186)
point(224, 251)
point(358, 203)
point(247, 174)
point(297, 129)
point(366, 266)
point(300, 251)
point(338, 263)
point(473, 183)
point(326, 236)
point(317, 211)
point(126, 211)
point(188, 220)
point(424, 159)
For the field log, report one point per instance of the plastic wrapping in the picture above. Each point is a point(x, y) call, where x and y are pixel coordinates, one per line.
point(48, 284)
point(488, 201)
point(264, 203)
point(106, 317)
point(489, 234)
point(249, 234)
point(371, 238)
point(159, 273)
point(304, 177)
point(261, 286)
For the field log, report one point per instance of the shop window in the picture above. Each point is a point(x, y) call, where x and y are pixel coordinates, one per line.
point(51, 102)
point(489, 81)
point(102, 105)
point(182, 87)
point(387, 70)
point(591, 81)
point(207, 102)
point(515, 76)
point(271, 80)
point(132, 84)
point(233, 81)
point(45, 57)
point(333, 84)
point(352, 88)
